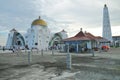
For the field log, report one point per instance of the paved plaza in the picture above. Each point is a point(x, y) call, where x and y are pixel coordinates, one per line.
point(48, 66)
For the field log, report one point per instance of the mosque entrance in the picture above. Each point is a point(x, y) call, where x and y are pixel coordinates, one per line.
point(56, 43)
point(18, 42)
point(72, 48)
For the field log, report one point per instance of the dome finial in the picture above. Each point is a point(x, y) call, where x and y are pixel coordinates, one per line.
point(80, 29)
point(39, 17)
point(105, 5)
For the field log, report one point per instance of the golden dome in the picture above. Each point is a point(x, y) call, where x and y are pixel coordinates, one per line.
point(39, 21)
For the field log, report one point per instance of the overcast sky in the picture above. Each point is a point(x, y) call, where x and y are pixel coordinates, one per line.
point(70, 15)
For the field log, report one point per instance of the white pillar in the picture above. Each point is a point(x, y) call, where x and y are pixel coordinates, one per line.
point(68, 59)
point(29, 57)
point(107, 34)
point(77, 47)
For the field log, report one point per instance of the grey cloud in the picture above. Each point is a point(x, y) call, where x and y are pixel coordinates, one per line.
point(59, 14)
point(16, 14)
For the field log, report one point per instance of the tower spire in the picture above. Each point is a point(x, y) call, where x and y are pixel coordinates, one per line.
point(80, 29)
point(106, 24)
point(105, 5)
point(39, 17)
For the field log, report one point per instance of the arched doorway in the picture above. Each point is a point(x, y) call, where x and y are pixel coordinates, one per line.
point(18, 43)
point(55, 41)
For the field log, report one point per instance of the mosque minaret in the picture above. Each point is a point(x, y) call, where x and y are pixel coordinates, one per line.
point(106, 33)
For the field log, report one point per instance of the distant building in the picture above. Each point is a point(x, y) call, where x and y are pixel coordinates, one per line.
point(106, 33)
point(84, 41)
point(116, 41)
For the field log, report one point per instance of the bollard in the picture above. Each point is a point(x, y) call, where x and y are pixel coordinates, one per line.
point(52, 52)
point(93, 54)
point(25, 50)
point(29, 57)
point(42, 52)
point(68, 59)
point(37, 51)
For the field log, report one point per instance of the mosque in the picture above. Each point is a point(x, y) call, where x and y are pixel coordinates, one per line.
point(38, 36)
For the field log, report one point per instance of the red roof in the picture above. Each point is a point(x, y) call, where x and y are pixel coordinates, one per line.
point(90, 36)
point(81, 36)
point(85, 36)
point(76, 38)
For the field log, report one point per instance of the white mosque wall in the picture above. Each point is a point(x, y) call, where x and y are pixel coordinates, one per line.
point(38, 37)
point(15, 39)
point(57, 38)
point(9, 40)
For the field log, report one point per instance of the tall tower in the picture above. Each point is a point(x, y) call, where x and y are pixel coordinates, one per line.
point(106, 24)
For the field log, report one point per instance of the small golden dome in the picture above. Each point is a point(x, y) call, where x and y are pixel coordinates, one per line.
point(39, 22)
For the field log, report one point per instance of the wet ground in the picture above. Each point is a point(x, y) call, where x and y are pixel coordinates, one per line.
point(104, 66)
